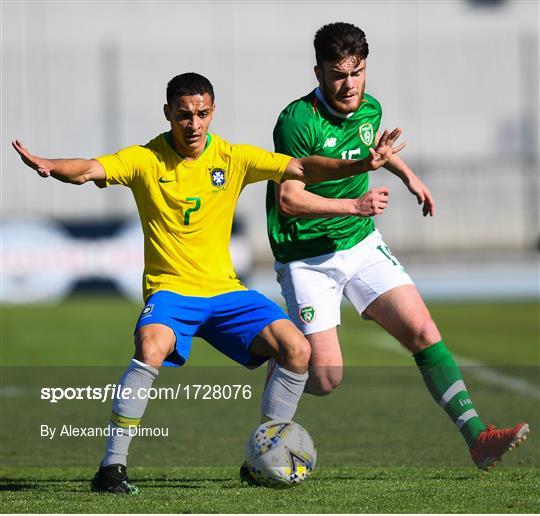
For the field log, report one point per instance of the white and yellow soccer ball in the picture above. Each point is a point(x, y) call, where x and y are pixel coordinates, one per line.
point(280, 454)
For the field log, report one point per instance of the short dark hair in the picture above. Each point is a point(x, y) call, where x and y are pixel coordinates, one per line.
point(188, 84)
point(337, 40)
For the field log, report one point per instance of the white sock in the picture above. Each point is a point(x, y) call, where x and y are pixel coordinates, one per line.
point(127, 413)
point(282, 393)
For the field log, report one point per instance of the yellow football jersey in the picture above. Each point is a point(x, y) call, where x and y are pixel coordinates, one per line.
point(186, 209)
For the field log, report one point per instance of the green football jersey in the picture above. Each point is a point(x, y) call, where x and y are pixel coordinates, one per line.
point(308, 126)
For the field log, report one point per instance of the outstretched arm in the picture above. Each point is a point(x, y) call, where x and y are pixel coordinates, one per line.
point(77, 170)
point(399, 168)
point(315, 169)
point(293, 200)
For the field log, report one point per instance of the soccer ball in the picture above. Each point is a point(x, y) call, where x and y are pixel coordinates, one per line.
point(280, 454)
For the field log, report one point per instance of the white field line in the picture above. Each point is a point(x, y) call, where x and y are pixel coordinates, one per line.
point(480, 370)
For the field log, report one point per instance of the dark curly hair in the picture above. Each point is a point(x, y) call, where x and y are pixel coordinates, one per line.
point(338, 40)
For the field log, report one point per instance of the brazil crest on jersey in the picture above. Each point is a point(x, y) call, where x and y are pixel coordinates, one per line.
point(186, 209)
point(307, 127)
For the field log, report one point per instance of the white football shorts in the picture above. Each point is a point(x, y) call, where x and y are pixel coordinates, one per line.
point(313, 288)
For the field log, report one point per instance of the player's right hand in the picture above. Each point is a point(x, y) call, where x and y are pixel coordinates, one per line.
point(41, 165)
point(373, 202)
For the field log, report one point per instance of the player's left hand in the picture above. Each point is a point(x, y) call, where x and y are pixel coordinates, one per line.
point(384, 148)
point(422, 194)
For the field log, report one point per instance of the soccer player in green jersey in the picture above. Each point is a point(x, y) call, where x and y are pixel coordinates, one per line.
point(186, 183)
point(326, 245)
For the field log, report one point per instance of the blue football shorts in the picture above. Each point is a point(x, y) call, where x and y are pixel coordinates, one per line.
point(229, 322)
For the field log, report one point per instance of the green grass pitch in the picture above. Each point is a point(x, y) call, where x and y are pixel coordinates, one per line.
point(383, 444)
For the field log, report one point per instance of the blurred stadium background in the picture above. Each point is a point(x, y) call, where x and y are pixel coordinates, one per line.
point(87, 78)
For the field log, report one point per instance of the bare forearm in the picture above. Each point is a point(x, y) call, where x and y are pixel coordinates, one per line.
point(307, 205)
point(399, 168)
point(75, 170)
point(317, 169)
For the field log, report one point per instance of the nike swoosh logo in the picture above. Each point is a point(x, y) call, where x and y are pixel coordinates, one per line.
point(162, 180)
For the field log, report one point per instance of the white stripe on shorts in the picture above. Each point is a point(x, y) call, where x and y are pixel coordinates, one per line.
point(456, 387)
point(465, 417)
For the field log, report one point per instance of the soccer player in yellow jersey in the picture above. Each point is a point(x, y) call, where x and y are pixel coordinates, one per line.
point(186, 183)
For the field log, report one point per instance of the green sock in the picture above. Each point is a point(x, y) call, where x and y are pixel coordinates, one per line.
point(445, 383)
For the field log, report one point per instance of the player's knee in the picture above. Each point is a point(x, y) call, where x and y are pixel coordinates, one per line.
point(149, 350)
point(295, 353)
point(426, 334)
point(323, 384)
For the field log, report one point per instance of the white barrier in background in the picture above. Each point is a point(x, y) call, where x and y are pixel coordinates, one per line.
point(41, 262)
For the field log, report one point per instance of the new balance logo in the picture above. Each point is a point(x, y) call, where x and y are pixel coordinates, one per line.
point(330, 142)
